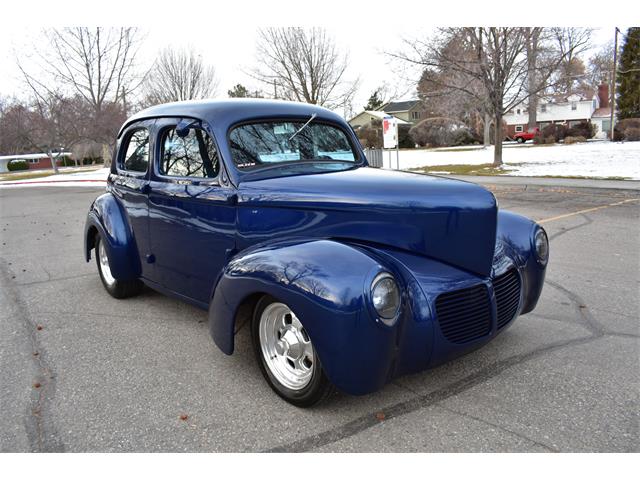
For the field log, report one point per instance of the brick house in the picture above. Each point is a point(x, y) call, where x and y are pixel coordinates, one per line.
point(35, 161)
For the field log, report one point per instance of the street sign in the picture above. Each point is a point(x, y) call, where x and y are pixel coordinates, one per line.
point(389, 132)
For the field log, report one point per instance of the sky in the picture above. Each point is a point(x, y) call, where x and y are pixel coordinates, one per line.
point(230, 48)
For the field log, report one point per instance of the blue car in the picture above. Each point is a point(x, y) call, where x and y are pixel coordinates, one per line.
point(350, 276)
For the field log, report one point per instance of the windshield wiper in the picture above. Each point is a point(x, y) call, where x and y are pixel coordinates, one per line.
point(303, 126)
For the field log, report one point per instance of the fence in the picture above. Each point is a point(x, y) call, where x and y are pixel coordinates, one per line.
point(374, 156)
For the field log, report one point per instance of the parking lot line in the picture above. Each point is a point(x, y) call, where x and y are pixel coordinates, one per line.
point(579, 212)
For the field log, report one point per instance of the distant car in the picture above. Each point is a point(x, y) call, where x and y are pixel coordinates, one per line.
point(522, 137)
point(349, 276)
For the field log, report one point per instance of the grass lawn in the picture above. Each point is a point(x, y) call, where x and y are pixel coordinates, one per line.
point(29, 174)
point(482, 169)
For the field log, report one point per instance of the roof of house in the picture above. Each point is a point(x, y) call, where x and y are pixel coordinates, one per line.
point(602, 112)
point(378, 114)
point(399, 106)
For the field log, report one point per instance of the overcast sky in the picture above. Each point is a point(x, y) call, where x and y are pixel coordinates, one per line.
point(231, 49)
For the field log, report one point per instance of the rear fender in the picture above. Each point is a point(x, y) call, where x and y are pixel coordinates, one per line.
point(107, 219)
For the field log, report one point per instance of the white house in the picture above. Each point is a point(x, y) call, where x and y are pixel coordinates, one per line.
point(568, 110)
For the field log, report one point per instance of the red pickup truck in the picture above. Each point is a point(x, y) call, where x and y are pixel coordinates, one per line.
point(522, 137)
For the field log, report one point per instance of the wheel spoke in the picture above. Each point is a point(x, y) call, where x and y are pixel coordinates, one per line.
point(286, 347)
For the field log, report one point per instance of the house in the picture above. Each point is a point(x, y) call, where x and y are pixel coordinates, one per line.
point(35, 161)
point(407, 112)
point(366, 117)
point(410, 111)
point(565, 109)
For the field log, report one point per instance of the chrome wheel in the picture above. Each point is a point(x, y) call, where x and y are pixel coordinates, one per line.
point(104, 265)
point(286, 347)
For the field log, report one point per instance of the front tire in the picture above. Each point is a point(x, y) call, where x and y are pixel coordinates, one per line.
point(116, 288)
point(286, 355)
point(521, 140)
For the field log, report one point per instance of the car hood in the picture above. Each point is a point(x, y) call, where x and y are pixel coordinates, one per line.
point(448, 220)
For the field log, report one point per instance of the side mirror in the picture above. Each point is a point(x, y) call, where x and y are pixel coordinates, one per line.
point(182, 129)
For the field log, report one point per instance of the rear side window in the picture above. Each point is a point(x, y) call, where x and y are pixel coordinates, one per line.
point(136, 157)
point(192, 155)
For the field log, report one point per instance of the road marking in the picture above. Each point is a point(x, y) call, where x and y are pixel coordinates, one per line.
point(580, 212)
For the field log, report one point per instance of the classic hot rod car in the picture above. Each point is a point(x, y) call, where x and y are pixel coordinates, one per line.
point(267, 212)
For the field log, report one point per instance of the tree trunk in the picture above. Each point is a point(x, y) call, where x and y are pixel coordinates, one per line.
point(54, 161)
point(498, 137)
point(532, 85)
point(106, 155)
point(487, 130)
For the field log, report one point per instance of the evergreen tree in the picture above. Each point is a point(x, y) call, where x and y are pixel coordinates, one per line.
point(628, 76)
point(239, 91)
point(375, 102)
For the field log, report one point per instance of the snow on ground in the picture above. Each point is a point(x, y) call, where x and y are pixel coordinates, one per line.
point(79, 179)
point(591, 159)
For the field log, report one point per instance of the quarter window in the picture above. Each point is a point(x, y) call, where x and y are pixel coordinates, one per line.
point(136, 157)
point(193, 155)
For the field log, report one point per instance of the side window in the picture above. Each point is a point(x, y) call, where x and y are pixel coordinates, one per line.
point(136, 157)
point(193, 155)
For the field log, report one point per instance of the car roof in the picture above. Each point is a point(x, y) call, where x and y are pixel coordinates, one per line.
point(221, 114)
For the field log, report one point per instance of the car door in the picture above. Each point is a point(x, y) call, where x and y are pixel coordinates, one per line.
point(131, 182)
point(192, 209)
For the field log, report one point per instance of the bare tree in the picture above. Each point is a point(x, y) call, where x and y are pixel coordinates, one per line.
point(570, 71)
point(96, 65)
point(494, 75)
point(179, 75)
point(304, 65)
point(601, 65)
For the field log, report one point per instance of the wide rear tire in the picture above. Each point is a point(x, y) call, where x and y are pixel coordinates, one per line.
point(116, 288)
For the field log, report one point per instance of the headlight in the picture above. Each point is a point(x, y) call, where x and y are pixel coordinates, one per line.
point(385, 296)
point(542, 246)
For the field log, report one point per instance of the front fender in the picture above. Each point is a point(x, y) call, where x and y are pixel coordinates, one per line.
point(514, 239)
point(107, 219)
point(324, 283)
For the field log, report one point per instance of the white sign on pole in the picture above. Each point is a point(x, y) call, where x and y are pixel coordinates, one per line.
point(389, 132)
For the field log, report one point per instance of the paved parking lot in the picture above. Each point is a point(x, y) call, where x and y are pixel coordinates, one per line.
point(81, 371)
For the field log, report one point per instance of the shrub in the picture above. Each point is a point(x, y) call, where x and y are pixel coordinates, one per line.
point(442, 132)
point(67, 162)
point(549, 140)
point(626, 129)
point(584, 129)
point(464, 136)
point(632, 134)
point(570, 139)
point(555, 130)
point(17, 165)
point(370, 135)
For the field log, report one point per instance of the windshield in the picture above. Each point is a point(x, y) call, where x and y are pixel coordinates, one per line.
point(256, 146)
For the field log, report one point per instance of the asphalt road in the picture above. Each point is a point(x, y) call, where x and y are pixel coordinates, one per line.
point(81, 371)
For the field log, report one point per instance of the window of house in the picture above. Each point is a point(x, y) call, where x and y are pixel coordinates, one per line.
point(518, 111)
point(574, 105)
point(543, 107)
point(519, 128)
point(34, 160)
point(415, 115)
point(194, 155)
point(136, 157)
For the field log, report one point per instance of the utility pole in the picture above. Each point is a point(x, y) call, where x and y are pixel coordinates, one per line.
point(613, 84)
